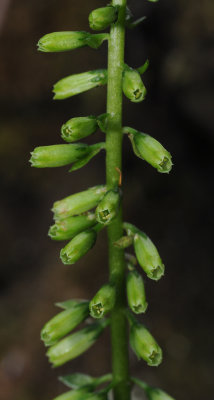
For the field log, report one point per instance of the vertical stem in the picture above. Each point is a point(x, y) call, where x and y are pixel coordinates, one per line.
point(120, 362)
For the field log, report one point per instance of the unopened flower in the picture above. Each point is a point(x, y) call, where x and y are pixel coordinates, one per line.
point(101, 18)
point(136, 292)
point(103, 301)
point(78, 246)
point(133, 86)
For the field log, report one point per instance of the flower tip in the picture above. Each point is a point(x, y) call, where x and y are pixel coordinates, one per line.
point(165, 165)
point(97, 310)
point(155, 358)
point(157, 272)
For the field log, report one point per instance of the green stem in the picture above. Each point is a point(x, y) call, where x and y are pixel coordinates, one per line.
point(120, 362)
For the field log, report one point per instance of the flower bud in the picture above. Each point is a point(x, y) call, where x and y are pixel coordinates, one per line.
point(75, 344)
point(101, 18)
point(150, 150)
point(64, 322)
point(146, 253)
point(78, 203)
point(78, 83)
point(148, 256)
point(144, 345)
point(62, 41)
point(136, 292)
point(78, 128)
point(79, 394)
point(133, 86)
point(103, 301)
point(78, 247)
point(68, 228)
point(58, 155)
point(108, 207)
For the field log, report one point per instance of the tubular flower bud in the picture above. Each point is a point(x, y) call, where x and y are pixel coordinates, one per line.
point(144, 345)
point(150, 150)
point(78, 83)
point(108, 207)
point(133, 86)
point(136, 293)
point(58, 155)
point(103, 301)
point(101, 18)
point(148, 256)
point(78, 128)
point(68, 228)
point(75, 344)
point(79, 394)
point(78, 247)
point(64, 322)
point(65, 41)
point(146, 253)
point(62, 41)
point(78, 203)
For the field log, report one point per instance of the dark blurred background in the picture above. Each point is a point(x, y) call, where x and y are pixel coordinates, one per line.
point(176, 210)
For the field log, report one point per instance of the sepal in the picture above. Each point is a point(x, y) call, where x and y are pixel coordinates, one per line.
point(78, 380)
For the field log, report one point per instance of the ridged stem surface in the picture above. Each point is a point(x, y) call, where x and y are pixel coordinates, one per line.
point(119, 340)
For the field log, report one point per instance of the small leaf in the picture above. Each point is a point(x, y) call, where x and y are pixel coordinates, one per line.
point(65, 305)
point(124, 241)
point(144, 67)
point(76, 381)
point(94, 150)
point(134, 24)
point(102, 122)
point(96, 40)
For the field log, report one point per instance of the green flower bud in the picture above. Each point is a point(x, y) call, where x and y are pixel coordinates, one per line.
point(78, 83)
point(152, 393)
point(133, 86)
point(148, 256)
point(68, 228)
point(66, 41)
point(146, 253)
point(75, 344)
point(78, 128)
point(143, 344)
point(150, 150)
point(108, 207)
point(101, 18)
point(136, 292)
point(64, 322)
point(78, 203)
point(62, 41)
point(78, 247)
point(58, 155)
point(103, 301)
point(79, 394)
